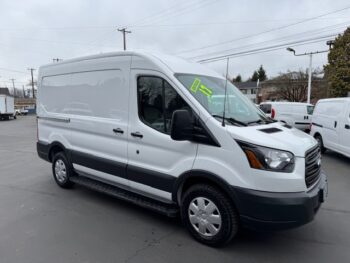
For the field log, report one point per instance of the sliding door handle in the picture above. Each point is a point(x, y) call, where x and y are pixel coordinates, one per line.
point(118, 130)
point(347, 126)
point(136, 134)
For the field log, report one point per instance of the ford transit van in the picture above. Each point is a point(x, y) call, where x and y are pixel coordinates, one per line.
point(331, 125)
point(157, 131)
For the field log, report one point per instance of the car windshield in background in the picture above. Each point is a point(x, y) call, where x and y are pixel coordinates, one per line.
point(310, 110)
point(210, 92)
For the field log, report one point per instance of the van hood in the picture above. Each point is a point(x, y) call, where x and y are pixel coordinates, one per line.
point(276, 136)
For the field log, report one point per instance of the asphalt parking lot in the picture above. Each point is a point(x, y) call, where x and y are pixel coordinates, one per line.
point(40, 222)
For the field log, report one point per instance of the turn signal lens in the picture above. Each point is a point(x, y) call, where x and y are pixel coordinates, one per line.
point(254, 162)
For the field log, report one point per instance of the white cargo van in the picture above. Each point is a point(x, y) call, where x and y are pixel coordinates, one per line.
point(153, 130)
point(331, 125)
point(7, 107)
point(295, 114)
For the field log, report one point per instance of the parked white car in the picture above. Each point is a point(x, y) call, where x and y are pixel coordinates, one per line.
point(331, 125)
point(153, 130)
point(21, 112)
point(295, 114)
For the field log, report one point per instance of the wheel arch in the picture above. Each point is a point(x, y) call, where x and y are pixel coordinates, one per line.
point(317, 134)
point(56, 147)
point(187, 179)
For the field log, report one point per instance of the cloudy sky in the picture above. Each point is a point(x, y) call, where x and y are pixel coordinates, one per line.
point(33, 32)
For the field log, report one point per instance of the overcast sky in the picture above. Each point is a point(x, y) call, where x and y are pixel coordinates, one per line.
point(33, 32)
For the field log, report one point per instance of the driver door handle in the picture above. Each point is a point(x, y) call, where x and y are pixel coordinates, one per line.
point(136, 134)
point(118, 130)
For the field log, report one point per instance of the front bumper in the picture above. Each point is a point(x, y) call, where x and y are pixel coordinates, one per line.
point(276, 211)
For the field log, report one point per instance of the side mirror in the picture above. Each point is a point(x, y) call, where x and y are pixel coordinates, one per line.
point(181, 126)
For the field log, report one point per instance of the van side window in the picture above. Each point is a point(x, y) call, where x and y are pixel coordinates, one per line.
point(157, 101)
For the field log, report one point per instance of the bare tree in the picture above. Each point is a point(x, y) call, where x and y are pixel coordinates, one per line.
point(292, 86)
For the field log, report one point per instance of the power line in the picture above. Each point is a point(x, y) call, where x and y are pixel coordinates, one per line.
point(169, 12)
point(263, 32)
point(229, 22)
point(308, 33)
point(12, 70)
point(103, 27)
point(267, 48)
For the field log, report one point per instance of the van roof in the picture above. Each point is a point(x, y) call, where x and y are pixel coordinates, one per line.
point(163, 61)
point(285, 103)
point(335, 99)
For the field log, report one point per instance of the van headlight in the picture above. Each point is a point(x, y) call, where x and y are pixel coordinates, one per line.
point(270, 159)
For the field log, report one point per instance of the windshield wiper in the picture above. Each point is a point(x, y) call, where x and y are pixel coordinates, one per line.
point(231, 120)
point(261, 121)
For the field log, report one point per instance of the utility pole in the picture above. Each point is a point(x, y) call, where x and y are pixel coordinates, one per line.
point(310, 68)
point(23, 91)
point(124, 31)
point(13, 86)
point(31, 72)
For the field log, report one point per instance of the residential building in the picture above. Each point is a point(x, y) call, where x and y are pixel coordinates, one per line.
point(249, 89)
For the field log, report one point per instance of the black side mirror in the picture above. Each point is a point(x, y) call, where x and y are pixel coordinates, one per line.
point(181, 126)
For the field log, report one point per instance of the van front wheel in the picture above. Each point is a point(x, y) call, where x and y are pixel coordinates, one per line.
point(209, 215)
point(62, 170)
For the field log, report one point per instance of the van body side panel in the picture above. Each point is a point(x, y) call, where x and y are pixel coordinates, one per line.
point(344, 131)
point(93, 96)
point(327, 115)
point(103, 95)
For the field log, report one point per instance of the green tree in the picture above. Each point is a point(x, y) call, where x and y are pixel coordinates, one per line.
point(255, 76)
point(238, 78)
point(262, 73)
point(337, 71)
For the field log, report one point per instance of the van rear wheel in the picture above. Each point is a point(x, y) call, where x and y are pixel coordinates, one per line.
point(62, 170)
point(320, 143)
point(209, 215)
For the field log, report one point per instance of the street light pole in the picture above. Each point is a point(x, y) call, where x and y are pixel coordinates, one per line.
point(309, 81)
point(310, 68)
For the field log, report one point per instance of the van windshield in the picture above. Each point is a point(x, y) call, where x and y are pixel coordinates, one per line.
point(210, 93)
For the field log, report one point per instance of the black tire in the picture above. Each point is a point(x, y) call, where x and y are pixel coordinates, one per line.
point(320, 143)
point(63, 181)
point(225, 209)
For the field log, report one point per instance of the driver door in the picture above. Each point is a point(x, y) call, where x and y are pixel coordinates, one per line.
point(155, 160)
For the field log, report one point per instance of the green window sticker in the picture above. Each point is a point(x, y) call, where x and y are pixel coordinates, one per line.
point(196, 85)
point(206, 91)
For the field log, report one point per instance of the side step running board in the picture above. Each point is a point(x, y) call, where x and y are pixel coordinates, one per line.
point(157, 206)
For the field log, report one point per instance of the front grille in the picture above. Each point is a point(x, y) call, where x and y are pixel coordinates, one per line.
point(312, 166)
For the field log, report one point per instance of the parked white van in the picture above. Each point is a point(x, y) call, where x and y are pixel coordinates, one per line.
point(153, 130)
point(331, 125)
point(295, 114)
